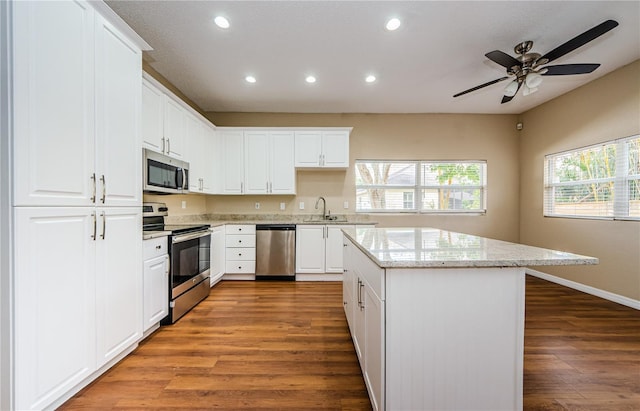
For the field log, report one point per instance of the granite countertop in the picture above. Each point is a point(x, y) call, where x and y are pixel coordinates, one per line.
point(222, 219)
point(423, 247)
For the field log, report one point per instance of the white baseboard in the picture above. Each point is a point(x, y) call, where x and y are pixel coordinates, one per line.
point(616, 298)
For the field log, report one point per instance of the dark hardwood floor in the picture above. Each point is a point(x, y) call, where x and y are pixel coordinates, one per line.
point(286, 346)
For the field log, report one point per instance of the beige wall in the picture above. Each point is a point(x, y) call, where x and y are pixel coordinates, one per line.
point(195, 204)
point(602, 110)
point(399, 136)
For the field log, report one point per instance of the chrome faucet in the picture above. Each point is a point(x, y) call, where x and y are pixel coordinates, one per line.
point(324, 206)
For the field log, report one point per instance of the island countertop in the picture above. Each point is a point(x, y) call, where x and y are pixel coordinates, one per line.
point(424, 247)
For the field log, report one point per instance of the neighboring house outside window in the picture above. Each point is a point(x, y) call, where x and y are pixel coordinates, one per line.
point(421, 186)
point(600, 181)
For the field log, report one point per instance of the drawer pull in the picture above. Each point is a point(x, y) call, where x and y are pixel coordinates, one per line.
point(158, 247)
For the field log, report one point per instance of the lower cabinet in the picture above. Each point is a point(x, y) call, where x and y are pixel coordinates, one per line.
point(319, 249)
point(156, 282)
point(78, 296)
point(218, 260)
point(364, 309)
point(240, 251)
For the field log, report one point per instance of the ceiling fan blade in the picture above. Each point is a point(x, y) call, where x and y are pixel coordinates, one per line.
point(506, 99)
point(502, 58)
point(580, 40)
point(481, 86)
point(567, 69)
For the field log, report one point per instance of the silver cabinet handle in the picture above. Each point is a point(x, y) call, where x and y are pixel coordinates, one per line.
point(271, 187)
point(168, 146)
point(361, 302)
point(104, 188)
point(158, 247)
point(242, 187)
point(104, 225)
point(93, 215)
point(163, 145)
point(93, 196)
point(267, 186)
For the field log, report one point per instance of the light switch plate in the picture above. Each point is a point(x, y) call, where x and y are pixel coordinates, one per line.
point(346, 205)
point(257, 206)
point(282, 206)
point(184, 204)
point(301, 205)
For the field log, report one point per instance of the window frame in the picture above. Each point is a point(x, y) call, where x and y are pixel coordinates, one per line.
point(621, 180)
point(418, 188)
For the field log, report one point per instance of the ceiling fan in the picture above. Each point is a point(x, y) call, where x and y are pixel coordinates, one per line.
point(526, 70)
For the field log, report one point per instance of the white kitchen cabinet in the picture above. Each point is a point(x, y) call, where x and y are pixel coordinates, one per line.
point(118, 113)
point(367, 319)
point(322, 148)
point(55, 303)
point(78, 295)
point(256, 162)
point(218, 261)
point(319, 248)
point(175, 125)
point(76, 105)
point(196, 154)
point(54, 101)
point(152, 117)
point(155, 281)
point(118, 281)
point(240, 251)
point(232, 142)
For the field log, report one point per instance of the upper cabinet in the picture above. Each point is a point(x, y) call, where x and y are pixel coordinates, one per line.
point(76, 95)
point(175, 128)
point(322, 148)
point(257, 161)
point(199, 145)
point(152, 117)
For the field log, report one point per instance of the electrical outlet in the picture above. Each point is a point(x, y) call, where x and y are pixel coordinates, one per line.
point(257, 206)
point(184, 204)
point(346, 205)
point(282, 206)
point(301, 205)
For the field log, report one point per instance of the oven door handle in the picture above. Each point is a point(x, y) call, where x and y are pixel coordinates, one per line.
point(189, 236)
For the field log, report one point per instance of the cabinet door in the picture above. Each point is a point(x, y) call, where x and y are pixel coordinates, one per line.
point(281, 163)
point(359, 321)
point(335, 149)
point(194, 152)
point(310, 244)
point(217, 254)
point(233, 162)
point(118, 281)
point(210, 162)
point(152, 117)
point(54, 303)
point(335, 244)
point(156, 290)
point(308, 147)
point(118, 108)
point(174, 128)
point(54, 122)
point(374, 349)
point(256, 162)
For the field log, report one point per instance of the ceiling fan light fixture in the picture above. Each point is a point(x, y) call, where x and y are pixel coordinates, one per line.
point(511, 89)
point(533, 80)
point(526, 90)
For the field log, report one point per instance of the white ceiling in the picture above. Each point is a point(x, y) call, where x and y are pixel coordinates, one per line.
point(437, 52)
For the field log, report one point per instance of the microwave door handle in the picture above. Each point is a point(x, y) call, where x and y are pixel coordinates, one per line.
point(179, 178)
point(185, 185)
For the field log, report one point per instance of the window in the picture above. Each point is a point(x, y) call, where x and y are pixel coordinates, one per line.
point(600, 181)
point(421, 186)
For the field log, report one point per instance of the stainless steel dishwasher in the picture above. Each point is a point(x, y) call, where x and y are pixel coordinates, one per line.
point(275, 252)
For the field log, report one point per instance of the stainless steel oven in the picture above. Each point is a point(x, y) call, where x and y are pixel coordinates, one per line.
point(189, 259)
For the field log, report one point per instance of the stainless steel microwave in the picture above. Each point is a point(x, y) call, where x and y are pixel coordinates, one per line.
point(163, 174)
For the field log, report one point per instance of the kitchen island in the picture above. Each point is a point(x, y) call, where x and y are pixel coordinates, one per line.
point(437, 317)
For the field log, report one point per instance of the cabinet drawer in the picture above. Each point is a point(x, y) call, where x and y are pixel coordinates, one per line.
point(240, 229)
point(154, 247)
point(240, 240)
point(241, 254)
point(236, 267)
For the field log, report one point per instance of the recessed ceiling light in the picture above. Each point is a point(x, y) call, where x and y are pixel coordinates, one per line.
point(250, 79)
point(370, 78)
point(221, 22)
point(393, 24)
point(310, 79)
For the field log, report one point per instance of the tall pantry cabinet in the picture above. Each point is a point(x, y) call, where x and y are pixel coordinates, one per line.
point(77, 197)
